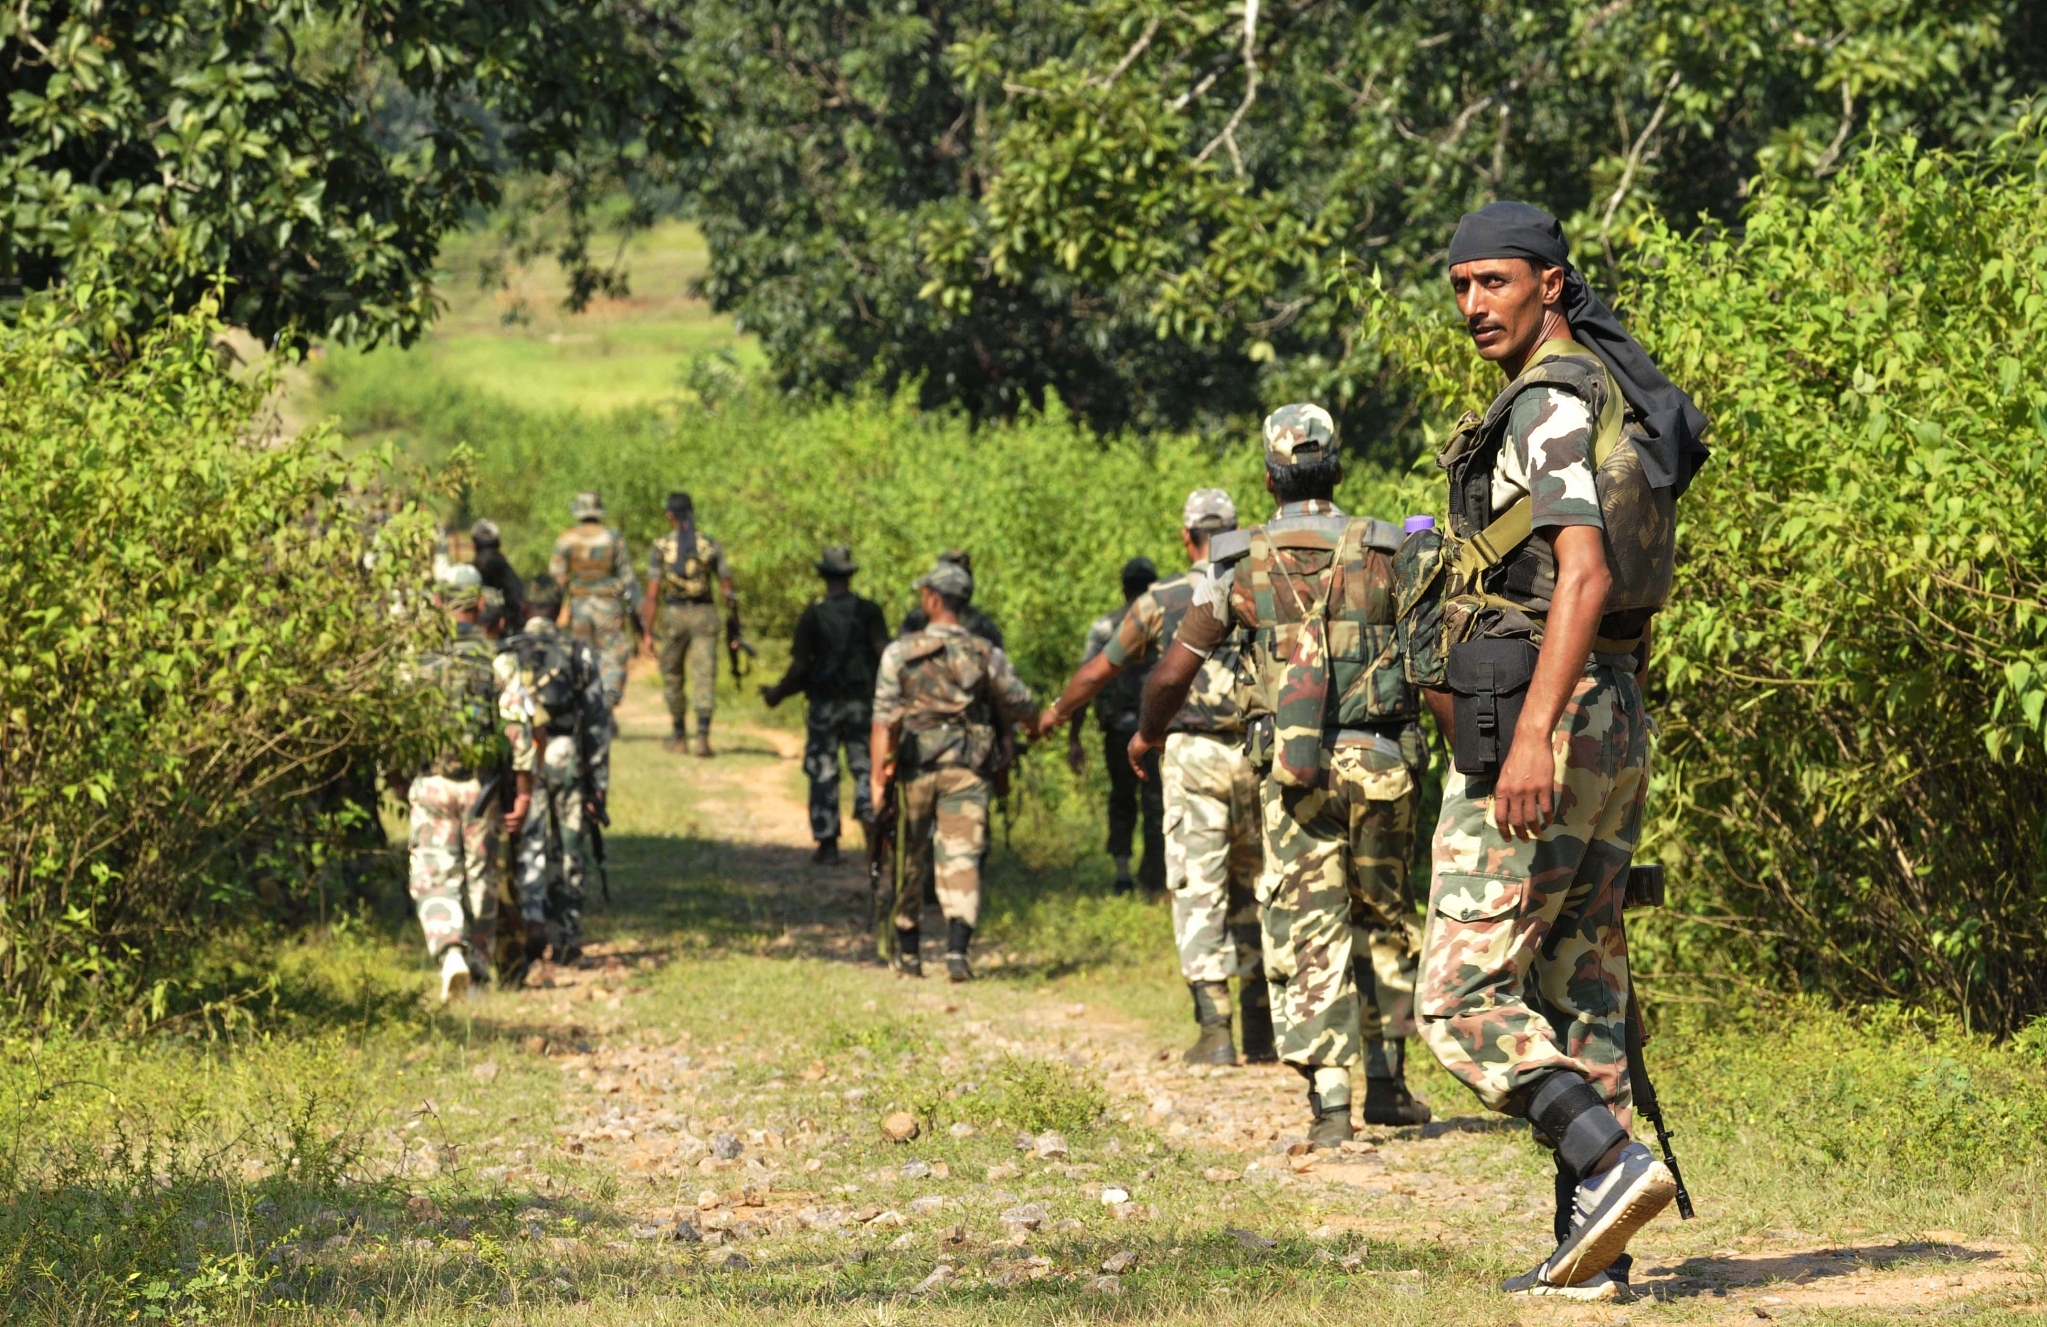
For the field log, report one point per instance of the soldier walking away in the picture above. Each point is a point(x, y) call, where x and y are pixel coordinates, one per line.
point(592, 564)
point(1529, 628)
point(496, 570)
point(1335, 736)
point(684, 569)
point(458, 825)
point(972, 618)
point(1132, 799)
point(832, 661)
point(1212, 820)
point(939, 698)
point(557, 853)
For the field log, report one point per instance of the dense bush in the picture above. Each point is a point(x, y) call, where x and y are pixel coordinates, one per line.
point(200, 648)
point(1852, 781)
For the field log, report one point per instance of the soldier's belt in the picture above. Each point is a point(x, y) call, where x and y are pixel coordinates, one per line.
point(1373, 738)
point(1623, 660)
point(677, 601)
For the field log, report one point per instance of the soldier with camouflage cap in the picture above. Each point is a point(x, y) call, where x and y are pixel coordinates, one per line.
point(684, 569)
point(971, 617)
point(1212, 816)
point(1334, 728)
point(940, 699)
point(592, 563)
point(458, 827)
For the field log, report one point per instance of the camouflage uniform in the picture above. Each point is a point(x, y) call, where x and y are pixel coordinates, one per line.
point(1524, 967)
point(591, 562)
point(555, 854)
point(686, 625)
point(1212, 818)
point(454, 844)
point(1314, 589)
point(947, 689)
point(832, 659)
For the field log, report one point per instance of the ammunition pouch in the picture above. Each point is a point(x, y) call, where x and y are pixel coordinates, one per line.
point(943, 744)
point(1644, 888)
point(1488, 680)
point(1258, 743)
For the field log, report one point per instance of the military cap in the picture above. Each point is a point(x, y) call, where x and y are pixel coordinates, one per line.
point(1296, 433)
point(1208, 509)
point(459, 586)
point(959, 557)
point(588, 506)
point(836, 560)
point(484, 531)
point(947, 578)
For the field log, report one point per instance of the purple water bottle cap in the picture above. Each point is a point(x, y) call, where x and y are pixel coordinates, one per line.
point(1413, 523)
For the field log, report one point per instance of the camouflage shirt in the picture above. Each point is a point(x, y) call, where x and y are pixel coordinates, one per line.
point(949, 688)
point(1117, 704)
point(491, 725)
point(1547, 456)
point(1214, 705)
point(591, 558)
point(1222, 600)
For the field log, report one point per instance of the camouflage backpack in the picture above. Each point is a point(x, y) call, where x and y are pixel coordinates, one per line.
point(686, 578)
point(462, 672)
point(949, 714)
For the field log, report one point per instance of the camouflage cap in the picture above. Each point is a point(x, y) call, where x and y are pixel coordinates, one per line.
point(1296, 433)
point(588, 506)
point(1208, 509)
point(460, 585)
point(484, 531)
point(836, 560)
point(947, 578)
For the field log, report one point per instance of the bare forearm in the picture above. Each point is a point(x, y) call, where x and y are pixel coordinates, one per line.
point(1085, 684)
point(1166, 691)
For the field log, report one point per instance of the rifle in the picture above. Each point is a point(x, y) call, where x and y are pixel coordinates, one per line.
point(1645, 888)
point(736, 642)
point(599, 822)
point(885, 866)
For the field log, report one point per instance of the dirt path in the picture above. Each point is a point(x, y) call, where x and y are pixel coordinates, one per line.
point(1441, 1182)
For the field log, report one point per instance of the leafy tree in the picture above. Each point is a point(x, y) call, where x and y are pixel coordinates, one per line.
point(312, 152)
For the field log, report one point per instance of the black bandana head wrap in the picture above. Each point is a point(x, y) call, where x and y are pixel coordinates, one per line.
point(1675, 449)
point(685, 512)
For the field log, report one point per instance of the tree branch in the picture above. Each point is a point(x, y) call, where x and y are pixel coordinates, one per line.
point(1137, 48)
point(1228, 137)
point(1829, 160)
point(1634, 163)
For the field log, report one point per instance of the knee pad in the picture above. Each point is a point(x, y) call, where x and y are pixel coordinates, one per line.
point(1571, 1114)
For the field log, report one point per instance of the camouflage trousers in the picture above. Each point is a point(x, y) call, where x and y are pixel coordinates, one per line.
point(555, 852)
point(600, 621)
point(829, 725)
point(455, 866)
point(1213, 855)
point(1525, 962)
point(686, 643)
point(1335, 884)
point(945, 825)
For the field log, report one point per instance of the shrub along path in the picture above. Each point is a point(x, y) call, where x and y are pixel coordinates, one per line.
point(1064, 1158)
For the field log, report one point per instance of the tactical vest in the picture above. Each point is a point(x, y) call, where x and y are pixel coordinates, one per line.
point(476, 740)
point(1497, 562)
point(939, 672)
point(547, 664)
point(1220, 697)
point(1325, 656)
point(592, 557)
point(686, 580)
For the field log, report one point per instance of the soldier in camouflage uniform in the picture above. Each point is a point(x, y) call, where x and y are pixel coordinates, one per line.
point(592, 563)
point(564, 687)
point(832, 661)
point(1213, 823)
point(972, 618)
point(1336, 721)
point(683, 568)
point(1133, 799)
point(1562, 514)
point(458, 827)
point(940, 697)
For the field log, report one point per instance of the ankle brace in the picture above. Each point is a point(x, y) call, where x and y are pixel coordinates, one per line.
point(1571, 1114)
point(958, 935)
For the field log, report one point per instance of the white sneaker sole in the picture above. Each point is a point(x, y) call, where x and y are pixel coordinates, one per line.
point(454, 986)
point(1609, 1238)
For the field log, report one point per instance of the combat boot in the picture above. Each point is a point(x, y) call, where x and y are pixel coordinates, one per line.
point(909, 952)
point(1387, 1100)
point(827, 853)
point(959, 936)
point(1254, 1003)
point(1331, 1127)
point(677, 741)
point(701, 748)
point(1212, 1015)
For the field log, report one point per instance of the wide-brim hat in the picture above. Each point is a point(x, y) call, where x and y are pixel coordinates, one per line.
point(836, 560)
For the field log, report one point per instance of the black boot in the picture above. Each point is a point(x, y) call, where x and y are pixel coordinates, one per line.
point(958, 936)
point(1387, 1100)
point(827, 853)
point(1212, 1015)
point(909, 952)
point(1254, 1003)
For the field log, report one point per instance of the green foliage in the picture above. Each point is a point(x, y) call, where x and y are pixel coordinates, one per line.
point(205, 642)
point(1136, 204)
point(1851, 775)
point(312, 152)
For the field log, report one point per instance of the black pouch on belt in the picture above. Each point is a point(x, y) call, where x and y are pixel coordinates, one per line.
point(1488, 681)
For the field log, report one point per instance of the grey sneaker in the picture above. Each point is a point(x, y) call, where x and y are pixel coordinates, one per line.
point(1610, 1208)
point(1606, 1287)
